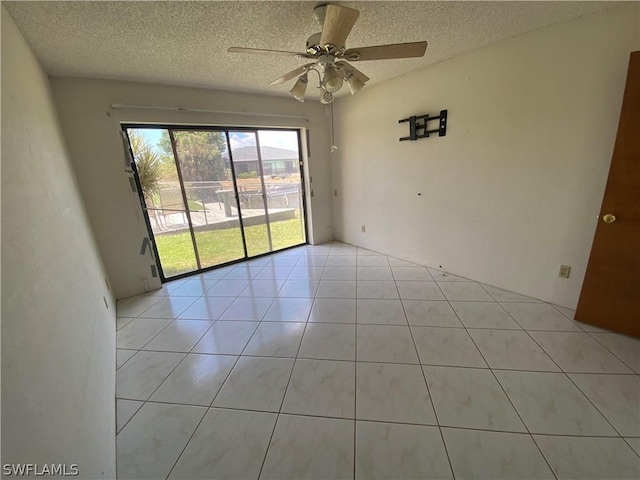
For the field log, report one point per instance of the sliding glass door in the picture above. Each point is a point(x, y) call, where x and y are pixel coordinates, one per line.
point(213, 196)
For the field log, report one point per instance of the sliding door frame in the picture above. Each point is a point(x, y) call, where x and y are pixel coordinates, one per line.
point(226, 129)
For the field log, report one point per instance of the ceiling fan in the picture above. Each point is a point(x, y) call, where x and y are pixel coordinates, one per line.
point(331, 57)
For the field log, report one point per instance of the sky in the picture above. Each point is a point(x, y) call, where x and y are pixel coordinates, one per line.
point(286, 139)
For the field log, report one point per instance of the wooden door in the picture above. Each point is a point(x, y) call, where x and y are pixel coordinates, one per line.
point(610, 296)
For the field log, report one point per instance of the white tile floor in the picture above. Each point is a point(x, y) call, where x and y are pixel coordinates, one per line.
point(336, 362)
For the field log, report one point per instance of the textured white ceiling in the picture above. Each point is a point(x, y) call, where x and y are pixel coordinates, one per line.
point(185, 43)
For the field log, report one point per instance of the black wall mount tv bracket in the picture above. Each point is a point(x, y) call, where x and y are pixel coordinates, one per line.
point(415, 127)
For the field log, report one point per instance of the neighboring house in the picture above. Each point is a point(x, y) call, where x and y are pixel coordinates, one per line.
point(275, 161)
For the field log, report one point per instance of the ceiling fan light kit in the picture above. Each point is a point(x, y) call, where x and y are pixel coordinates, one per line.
point(327, 49)
point(299, 88)
point(353, 82)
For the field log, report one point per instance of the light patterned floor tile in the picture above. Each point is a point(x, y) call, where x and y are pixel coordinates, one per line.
point(193, 288)
point(179, 336)
point(512, 350)
point(289, 310)
point(122, 321)
point(339, 273)
point(387, 450)
point(385, 343)
point(262, 288)
point(495, 455)
point(471, 398)
point(329, 341)
point(411, 273)
point(549, 403)
point(380, 312)
point(634, 443)
point(616, 396)
point(412, 290)
point(374, 273)
point(122, 356)
point(340, 261)
point(168, 307)
point(207, 308)
point(276, 339)
point(143, 373)
point(336, 289)
point(578, 352)
point(280, 333)
point(446, 346)
point(196, 380)
point(393, 393)
point(501, 295)
point(299, 288)
point(227, 444)
point(134, 306)
point(137, 333)
point(625, 348)
point(464, 291)
point(372, 261)
point(227, 288)
point(317, 261)
point(589, 458)
point(484, 315)
point(382, 289)
point(431, 313)
point(226, 338)
point(321, 388)
point(149, 445)
point(252, 309)
point(306, 272)
point(256, 384)
point(440, 276)
point(293, 451)
point(333, 310)
point(540, 316)
point(125, 410)
point(275, 272)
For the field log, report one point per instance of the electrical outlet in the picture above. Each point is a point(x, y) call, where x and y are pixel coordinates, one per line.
point(564, 272)
point(363, 229)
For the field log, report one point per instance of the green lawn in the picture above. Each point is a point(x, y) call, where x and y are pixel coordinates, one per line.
point(221, 246)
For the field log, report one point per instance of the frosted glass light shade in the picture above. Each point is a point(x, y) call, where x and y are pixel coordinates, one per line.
point(332, 79)
point(299, 89)
point(354, 83)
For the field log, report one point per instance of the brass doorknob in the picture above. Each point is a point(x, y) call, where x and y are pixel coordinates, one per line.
point(608, 218)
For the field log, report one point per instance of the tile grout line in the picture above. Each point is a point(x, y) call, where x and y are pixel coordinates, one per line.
point(507, 395)
point(314, 299)
point(213, 400)
point(566, 374)
point(475, 429)
point(424, 377)
point(182, 282)
point(611, 351)
point(284, 395)
point(630, 446)
point(172, 370)
point(379, 362)
point(355, 386)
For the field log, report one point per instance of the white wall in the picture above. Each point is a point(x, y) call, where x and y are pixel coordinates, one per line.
point(58, 335)
point(514, 188)
point(92, 129)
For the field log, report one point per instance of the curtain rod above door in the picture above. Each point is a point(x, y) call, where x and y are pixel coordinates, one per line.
point(122, 106)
